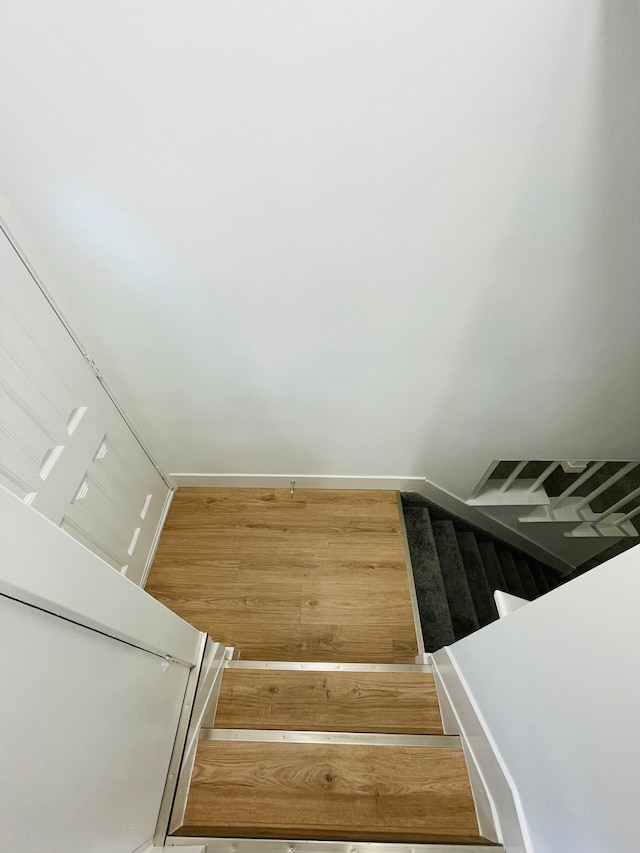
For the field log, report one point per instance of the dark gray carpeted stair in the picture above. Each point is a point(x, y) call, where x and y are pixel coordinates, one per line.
point(526, 578)
point(552, 578)
point(458, 566)
point(492, 566)
point(463, 613)
point(511, 575)
point(540, 578)
point(435, 616)
point(479, 585)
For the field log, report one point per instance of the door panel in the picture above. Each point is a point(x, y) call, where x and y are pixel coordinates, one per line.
point(64, 448)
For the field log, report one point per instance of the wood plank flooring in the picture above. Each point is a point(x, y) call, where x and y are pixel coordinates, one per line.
point(394, 702)
point(319, 576)
point(298, 790)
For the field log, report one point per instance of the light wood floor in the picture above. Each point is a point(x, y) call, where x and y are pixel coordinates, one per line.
point(363, 792)
point(395, 702)
point(319, 576)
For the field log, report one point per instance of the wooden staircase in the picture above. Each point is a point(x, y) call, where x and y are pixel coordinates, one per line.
point(328, 752)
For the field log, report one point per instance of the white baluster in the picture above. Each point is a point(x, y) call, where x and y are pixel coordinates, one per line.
point(616, 506)
point(567, 492)
point(628, 516)
point(548, 470)
point(603, 488)
point(487, 474)
point(512, 476)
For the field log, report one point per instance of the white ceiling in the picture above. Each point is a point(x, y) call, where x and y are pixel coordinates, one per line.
point(341, 237)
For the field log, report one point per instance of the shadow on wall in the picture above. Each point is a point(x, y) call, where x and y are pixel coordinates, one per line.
point(550, 364)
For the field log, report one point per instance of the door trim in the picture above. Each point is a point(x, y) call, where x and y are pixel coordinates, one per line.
point(156, 538)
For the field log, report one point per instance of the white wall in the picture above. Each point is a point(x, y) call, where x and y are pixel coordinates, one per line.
point(45, 567)
point(93, 673)
point(556, 686)
point(88, 725)
point(328, 238)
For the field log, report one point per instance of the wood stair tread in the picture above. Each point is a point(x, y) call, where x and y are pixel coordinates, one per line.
point(389, 702)
point(330, 791)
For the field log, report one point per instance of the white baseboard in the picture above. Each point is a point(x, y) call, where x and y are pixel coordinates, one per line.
point(156, 538)
point(302, 481)
point(475, 516)
point(394, 483)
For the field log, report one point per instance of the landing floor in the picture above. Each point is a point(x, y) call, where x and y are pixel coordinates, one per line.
point(317, 576)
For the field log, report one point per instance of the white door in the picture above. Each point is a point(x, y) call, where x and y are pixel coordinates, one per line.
point(64, 448)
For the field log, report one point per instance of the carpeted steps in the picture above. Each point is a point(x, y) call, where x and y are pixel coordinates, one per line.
point(479, 584)
point(457, 567)
point(491, 565)
point(526, 578)
point(539, 577)
point(511, 574)
point(456, 584)
point(435, 615)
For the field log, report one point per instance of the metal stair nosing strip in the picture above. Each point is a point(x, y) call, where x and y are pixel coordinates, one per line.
point(316, 666)
point(272, 845)
point(351, 738)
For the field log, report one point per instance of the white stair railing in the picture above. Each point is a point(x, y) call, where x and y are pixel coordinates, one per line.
point(512, 476)
point(606, 485)
point(579, 482)
point(567, 508)
point(616, 506)
point(483, 480)
point(543, 477)
point(629, 516)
